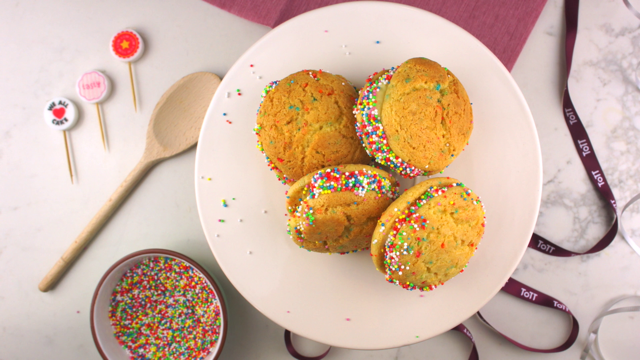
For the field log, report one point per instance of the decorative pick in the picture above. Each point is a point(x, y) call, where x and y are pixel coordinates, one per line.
point(127, 46)
point(61, 114)
point(94, 87)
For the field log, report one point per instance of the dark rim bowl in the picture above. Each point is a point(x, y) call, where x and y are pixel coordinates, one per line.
point(101, 330)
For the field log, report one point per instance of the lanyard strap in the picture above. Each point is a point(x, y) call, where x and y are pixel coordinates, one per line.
point(296, 355)
point(292, 350)
point(583, 147)
point(529, 294)
point(474, 352)
point(512, 287)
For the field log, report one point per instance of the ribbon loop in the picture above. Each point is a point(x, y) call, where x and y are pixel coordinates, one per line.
point(474, 352)
point(593, 347)
point(626, 236)
point(292, 350)
point(585, 150)
point(527, 293)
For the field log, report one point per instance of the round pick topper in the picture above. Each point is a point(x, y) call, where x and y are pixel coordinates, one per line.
point(60, 113)
point(127, 45)
point(93, 87)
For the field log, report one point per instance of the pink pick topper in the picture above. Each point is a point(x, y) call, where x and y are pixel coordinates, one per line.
point(93, 87)
point(127, 45)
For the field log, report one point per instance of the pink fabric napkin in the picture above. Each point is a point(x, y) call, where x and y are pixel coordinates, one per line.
point(502, 25)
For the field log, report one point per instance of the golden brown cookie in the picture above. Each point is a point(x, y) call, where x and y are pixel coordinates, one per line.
point(415, 118)
point(336, 209)
point(306, 122)
point(428, 235)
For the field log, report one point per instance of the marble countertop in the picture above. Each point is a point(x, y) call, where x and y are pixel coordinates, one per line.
point(47, 45)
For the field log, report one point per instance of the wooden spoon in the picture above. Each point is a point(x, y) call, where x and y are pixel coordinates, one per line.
point(174, 127)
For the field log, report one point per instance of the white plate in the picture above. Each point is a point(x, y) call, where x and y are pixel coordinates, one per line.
point(341, 300)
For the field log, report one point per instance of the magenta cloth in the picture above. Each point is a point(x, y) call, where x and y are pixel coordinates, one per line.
point(501, 25)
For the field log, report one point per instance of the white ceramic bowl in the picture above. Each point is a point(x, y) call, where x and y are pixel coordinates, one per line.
point(101, 329)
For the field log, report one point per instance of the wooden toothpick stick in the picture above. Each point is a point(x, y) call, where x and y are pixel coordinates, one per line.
point(94, 87)
point(133, 89)
point(61, 114)
point(104, 143)
point(66, 147)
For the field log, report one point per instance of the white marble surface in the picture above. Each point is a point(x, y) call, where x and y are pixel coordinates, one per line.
point(47, 45)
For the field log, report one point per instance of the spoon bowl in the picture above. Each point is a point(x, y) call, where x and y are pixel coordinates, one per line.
point(177, 118)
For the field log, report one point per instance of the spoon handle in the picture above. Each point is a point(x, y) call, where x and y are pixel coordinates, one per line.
point(95, 224)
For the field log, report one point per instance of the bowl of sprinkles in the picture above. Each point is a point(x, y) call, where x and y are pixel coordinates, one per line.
point(158, 304)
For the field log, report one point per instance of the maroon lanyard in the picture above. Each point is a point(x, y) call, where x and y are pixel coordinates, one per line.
point(527, 293)
point(512, 287)
point(594, 170)
point(583, 147)
point(596, 175)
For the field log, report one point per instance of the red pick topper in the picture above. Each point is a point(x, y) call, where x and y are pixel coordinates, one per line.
point(127, 45)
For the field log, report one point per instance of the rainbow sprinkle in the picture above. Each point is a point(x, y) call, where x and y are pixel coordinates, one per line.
point(397, 244)
point(335, 180)
point(164, 308)
point(370, 130)
point(279, 174)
